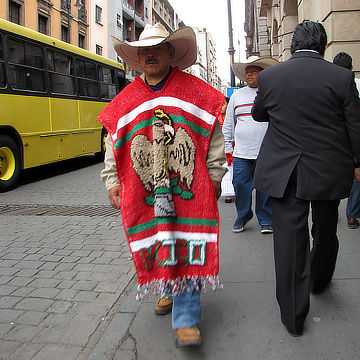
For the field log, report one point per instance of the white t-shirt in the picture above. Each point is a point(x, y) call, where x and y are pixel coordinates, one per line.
point(357, 82)
point(247, 133)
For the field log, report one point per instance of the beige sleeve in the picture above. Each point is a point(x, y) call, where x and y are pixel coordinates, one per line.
point(216, 154)
point(108, 174)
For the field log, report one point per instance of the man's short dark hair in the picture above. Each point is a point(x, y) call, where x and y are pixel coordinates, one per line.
point(343, 59)
point(309, 35)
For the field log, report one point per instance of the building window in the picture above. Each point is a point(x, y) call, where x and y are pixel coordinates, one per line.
point(14, 12)
point(98, 12)
point(99, 49)
point(118, 20)
point(64, 33)
point(43, 24)
point(275, 32)
point(81, 41)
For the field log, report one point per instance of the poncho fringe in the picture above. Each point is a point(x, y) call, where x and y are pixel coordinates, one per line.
point(178, 286)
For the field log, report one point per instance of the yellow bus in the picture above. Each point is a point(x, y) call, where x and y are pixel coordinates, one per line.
point(50, 95)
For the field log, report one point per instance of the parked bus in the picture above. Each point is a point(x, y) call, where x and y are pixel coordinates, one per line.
point(50, 95)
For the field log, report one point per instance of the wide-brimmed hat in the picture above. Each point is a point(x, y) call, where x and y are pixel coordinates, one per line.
point(183, 40)
point(262, 62)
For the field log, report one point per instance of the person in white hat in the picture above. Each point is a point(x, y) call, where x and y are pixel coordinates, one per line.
point(240, 127)
point(164, 157)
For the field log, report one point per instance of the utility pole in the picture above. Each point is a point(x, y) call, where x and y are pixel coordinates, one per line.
point(231, 50)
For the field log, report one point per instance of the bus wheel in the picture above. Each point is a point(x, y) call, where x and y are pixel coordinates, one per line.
point(9, 163)
point(101, 154)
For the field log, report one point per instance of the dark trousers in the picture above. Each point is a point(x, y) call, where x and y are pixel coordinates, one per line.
point(298, 271)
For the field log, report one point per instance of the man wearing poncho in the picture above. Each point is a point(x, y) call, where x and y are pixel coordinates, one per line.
point(167, 149)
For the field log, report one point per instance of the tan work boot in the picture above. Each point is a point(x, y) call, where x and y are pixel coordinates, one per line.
point(163, 306)
point(188, 336)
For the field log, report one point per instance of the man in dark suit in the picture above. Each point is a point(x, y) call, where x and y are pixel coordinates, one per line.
point(307, 158)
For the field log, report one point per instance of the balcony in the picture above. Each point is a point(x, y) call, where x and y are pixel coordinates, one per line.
point(129, 6)
point(65, 5)
point(139, 18)
point(82, 14)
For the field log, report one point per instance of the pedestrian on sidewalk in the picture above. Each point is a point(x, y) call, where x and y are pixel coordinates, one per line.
point(168, 149)
point(306, 159)
point(353, 204)
point(240, 127)
point(227, 189)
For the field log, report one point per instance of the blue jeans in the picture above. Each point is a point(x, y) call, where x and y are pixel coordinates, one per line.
point(186, 310)
point(243, 186)
point(353, 204)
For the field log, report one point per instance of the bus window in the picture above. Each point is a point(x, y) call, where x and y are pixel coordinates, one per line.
point(60, 73)
point(26, 66)
point(50, 97)
point(87, 79)
point(121, 81)
point(107, 85)
point(34, 56)
point(2, 65)
point(1, 48)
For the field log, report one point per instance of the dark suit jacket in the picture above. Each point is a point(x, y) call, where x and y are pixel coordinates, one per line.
point(313, 110)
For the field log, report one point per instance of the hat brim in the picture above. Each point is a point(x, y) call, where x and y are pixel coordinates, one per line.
point(239, 68)
point(183, 40)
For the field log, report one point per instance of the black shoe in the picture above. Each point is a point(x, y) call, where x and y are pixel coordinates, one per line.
point(318, 289)
point(294, 333)
point(228, 201)
point(319, 286)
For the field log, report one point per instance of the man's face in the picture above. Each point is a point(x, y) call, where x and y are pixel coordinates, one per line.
point(156, 60)
point(251, 75)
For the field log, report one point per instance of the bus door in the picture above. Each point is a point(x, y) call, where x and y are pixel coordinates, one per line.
point(63, 103)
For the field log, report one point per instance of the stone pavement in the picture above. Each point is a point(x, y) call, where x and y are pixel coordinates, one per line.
point(60, 276)
point(243, 321)
point(67, 288)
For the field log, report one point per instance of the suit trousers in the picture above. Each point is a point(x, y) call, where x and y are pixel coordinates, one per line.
point(299, 271)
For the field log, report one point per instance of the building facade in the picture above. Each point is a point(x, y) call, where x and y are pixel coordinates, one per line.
point(125, 20)
point(161, 11)
point(90, 24)
point(66, 20)
point(205, 67)
point(256, 29)
point(340, 19)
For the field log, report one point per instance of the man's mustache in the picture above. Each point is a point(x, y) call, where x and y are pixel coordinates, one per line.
point(151, 61)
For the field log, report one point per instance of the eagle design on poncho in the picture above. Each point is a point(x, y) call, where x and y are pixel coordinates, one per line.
point(171, 152)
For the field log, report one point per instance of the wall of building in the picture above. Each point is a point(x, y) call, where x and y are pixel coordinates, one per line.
point(114, 10)
point(339, 17)
point(256, 28)
point(98, 31)
point(163, 12)
point(56, 16)
point(341, 20)
point(206, 66)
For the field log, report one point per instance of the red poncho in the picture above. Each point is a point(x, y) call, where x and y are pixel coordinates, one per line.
point(168, 202)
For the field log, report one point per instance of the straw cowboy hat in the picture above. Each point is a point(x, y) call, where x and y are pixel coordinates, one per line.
point(262, 62)
point(183, 40)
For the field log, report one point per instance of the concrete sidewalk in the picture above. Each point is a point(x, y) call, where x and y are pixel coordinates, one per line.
point(242, 321)
point(67, 287)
